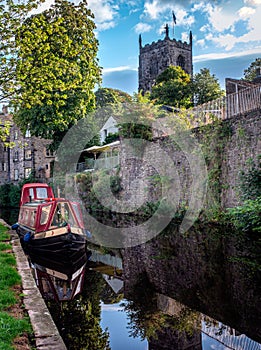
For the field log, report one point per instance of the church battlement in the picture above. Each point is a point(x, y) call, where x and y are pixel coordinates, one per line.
point(160, 42)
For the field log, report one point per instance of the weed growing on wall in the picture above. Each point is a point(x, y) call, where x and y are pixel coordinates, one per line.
point(250, 180)
point(213, 138)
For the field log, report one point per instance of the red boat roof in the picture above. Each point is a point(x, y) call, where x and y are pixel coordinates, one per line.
point(35, 192)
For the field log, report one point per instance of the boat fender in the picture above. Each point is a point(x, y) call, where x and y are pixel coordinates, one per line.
point(27, 236)
point(14, 226)
point(88, 233)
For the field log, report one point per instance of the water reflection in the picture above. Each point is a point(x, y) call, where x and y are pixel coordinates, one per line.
point(57, 284)
point(199, 291)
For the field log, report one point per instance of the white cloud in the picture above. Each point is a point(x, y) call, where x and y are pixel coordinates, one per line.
point(142, 28)
point(183, 18)
point(156, 8)
point(151, 9)
point(222, 23)
point(201, 42)
point(117, 69)
point(246, 12)
point(217, 56)
point(105, 13)
point(43, 6)
point(185, 37)
point(252, 2)
point(220, 18)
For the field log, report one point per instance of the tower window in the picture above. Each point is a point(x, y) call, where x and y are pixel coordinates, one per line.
point(181, 62)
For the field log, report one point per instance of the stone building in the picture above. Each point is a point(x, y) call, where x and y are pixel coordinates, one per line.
point(156, 57)
point(27, 155)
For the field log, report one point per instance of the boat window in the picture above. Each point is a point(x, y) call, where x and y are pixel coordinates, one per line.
point(63, 215)
point(45, 214)
point(31, 221)
point(76, 210)
point(31, 193)
point(41, 193)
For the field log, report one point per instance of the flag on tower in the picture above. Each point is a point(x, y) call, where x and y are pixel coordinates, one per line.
point(174, 17)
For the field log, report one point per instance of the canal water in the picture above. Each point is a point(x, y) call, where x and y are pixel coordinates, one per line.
point(195, 291)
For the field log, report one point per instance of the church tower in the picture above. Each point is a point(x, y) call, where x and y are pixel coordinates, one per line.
point(156, 57)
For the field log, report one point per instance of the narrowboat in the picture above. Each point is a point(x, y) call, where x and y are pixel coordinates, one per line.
point(50, 227)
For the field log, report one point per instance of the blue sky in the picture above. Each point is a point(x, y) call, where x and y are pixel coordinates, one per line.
point(226, 34)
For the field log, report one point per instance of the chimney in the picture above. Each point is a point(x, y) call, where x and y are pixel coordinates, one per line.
point(5, 109)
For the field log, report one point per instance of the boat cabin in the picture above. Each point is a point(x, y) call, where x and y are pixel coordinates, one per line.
point(41, 211)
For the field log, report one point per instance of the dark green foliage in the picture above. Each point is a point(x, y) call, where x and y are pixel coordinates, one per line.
point(250, 72)
point(206, 87)
point(172, 88)
point(10, 194)
point(105, 96)
point(4, 195)
point(250, 181)
point(111, 138)
point(247, 217)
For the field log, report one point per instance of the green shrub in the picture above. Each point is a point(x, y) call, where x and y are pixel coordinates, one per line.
point(250, 181)
point(246, 217)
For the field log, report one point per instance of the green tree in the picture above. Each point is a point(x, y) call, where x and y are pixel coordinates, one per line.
point(206, 87)
point(105, 96)
point(57, 69)
point(173, 88)
point(250, 72)
point(12, 15)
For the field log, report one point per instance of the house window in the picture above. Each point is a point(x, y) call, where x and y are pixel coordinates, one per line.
point(27, 133)
point(105, 133)
point(4, 166)
point(5, 148)
point(28, 154)
point(16, 156)
point(16, 134)
point(48, 153)
point(181, 62)
point(27, 172)
point(16, 174)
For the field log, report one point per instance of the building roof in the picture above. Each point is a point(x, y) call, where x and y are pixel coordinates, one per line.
point(95, 149)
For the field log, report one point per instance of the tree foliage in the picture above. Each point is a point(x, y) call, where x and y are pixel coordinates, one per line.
point(12, 15)
point(250, 72)
point(105, 96)
point(57, 69)
point(173, 88)
point(206, 87)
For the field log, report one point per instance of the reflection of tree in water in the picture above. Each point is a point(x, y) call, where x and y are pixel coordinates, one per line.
point(146, 320)
point(144, 317)
point(108, 296)
point(78, 320)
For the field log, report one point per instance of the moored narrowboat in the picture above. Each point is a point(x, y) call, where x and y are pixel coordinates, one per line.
point(49, 226)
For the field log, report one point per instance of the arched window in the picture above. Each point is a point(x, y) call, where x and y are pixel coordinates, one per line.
point(154, 67)
point(181, 62)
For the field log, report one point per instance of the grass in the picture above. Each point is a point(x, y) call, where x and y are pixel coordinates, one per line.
point(10, 327)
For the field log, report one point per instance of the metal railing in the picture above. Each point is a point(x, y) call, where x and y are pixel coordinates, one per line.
point(226, 107)
point(100, 163)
